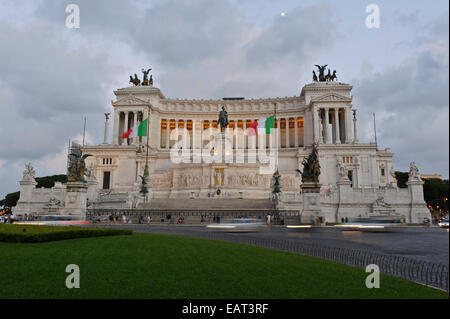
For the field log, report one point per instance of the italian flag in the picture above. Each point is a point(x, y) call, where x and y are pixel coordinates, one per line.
point(265, 122)
point(137, 130)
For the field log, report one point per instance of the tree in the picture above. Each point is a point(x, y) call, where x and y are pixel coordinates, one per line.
point(49, 181)
point(402, 178)
point(435, 193)
point(10, 200)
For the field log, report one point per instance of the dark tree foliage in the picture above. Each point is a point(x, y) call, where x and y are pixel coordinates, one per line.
point(402, 178)
point(49, 181)
point(11, 199)
point(435, 192)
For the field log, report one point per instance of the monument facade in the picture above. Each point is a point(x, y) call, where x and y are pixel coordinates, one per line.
point(195, 154)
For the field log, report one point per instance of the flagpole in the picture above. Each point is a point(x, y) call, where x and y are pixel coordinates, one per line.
point(146, 173)
point(276, 132)
point(375, 129)
point(148, 126)
point(84, 129)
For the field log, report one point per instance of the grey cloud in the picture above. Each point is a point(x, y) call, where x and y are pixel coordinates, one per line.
point(300, 35)
point(414, 103)
point(47, 77)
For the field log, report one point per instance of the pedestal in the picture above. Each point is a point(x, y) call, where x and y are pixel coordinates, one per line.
point(418, 207)
point(312, 211)
point(345, 191)
point(223, 148)
point(76, 200)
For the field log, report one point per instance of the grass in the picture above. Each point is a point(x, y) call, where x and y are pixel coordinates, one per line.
point(164, 266)
point(35, 233)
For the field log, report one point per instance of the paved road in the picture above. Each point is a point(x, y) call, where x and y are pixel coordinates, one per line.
point(429, 244)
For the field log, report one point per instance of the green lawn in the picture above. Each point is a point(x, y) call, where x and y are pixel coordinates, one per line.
point(163, 266)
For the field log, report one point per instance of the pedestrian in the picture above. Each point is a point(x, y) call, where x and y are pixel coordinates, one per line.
point(148, 219)
point(269, 220)
point(168, 219)
point(201, 220)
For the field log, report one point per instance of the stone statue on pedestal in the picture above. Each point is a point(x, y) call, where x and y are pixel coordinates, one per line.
point(223, 119)
point(135, 81)
point(413, 172)
point(77, 167)
point(321, 72)
point(311, 167)
point(28, 173)
point(341, 169)
point(145, 79)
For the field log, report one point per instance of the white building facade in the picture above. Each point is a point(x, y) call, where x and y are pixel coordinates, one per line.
point(357, 178)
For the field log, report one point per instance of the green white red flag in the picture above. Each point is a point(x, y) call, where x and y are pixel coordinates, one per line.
point(266, 122)
point(137, 130)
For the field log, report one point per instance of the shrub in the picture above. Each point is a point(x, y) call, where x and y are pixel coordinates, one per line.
point(38, 234)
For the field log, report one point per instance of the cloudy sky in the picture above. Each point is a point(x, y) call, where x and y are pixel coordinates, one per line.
point(51, 76)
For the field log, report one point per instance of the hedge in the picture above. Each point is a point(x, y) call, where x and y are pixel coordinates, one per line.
point(18, 235)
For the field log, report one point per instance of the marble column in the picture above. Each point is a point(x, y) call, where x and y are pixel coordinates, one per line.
point(348, 124)
point(321, 129)
point(145, 115)
point(202, 125)
point(355, 133)
point(116, 127)
point(288, 144)
point(125, 126)
point(136, 138)
point(316, 126)
point(322, 122)
point(167, 133)
point(105, 138)
point(210, 131)
point(254, 139)
point(336, 126)
point(185, 134)
point(296, 131)
point(326, 121)
point(194, 141)
point(279, 133)
point(176, 133)
point(235, 134)
point(245, 134)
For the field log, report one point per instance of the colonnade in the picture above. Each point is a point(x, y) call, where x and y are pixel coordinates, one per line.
point(195, 132)
point(340, 129)
point(123, 121)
